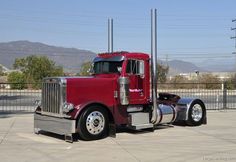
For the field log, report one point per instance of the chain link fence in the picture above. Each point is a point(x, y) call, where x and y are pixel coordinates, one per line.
point(217, 96)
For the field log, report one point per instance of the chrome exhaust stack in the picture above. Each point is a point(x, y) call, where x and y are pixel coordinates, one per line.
point(156, 114)
point(110, 35)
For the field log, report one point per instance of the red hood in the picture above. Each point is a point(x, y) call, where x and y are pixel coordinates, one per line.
point(99, 88)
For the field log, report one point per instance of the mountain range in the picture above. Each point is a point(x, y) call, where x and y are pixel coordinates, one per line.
point(71, 59)
point(179, 66)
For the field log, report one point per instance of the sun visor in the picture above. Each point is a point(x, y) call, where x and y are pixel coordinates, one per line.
point(110, 59)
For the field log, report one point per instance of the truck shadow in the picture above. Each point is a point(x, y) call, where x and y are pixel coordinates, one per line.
point(119, 130)
point(143, 131)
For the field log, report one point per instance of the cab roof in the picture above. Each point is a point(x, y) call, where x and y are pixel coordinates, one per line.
point(124, 54)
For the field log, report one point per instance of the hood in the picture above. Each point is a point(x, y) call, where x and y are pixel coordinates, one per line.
point(99, 88)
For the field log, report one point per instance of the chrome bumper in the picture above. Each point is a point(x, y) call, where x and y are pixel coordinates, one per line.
point(55, 125)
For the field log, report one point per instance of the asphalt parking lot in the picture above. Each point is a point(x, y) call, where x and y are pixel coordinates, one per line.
point(215, 141)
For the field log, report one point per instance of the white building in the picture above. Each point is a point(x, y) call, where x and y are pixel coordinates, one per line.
point(221, 75)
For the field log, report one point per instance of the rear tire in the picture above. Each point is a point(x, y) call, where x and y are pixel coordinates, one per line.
point(93, 123)
point(196, 113)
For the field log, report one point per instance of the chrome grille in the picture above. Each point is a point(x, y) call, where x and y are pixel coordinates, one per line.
point(52, 96)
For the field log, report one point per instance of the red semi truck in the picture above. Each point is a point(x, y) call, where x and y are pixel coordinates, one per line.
point(121, 92)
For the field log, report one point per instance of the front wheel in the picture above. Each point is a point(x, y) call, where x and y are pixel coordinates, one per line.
point(196, 113)
point(93, 123)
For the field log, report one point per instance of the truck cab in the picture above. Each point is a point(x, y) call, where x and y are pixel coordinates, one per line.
point(117, 94)
point(133, 66)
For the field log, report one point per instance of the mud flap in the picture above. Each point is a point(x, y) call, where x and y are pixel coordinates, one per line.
point(112, 130)
point(69, 138)
point(205, 119)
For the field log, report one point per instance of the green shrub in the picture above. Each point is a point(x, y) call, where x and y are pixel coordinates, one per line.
point(17, 80)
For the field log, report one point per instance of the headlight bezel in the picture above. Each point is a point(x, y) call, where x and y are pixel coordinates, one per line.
point(67, 107)
point(38, 103)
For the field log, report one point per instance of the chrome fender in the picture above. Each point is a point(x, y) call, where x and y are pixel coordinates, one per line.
point(182, 108)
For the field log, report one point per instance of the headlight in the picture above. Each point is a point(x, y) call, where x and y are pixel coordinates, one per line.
point(67, 107)
point(37, 103)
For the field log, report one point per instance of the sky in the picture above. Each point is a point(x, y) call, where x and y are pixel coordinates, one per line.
point(193, 30)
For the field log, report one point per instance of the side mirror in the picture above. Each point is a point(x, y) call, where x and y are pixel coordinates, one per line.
point(141, 68)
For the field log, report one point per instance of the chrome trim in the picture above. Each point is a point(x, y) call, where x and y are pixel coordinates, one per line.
point(37, 103)
point(182, 108)
point(124, 90)
point(139, 120)
point(134, 108)
point(156, 110)
point(95, 122)
point(55, 125)
point(67, 107)
point(141, 126)
point(168, 114)
point(53, 96)
point(197, 112)
point(63, 93)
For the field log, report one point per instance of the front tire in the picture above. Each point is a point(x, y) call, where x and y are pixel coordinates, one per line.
point(93, 123)
point(196, 113)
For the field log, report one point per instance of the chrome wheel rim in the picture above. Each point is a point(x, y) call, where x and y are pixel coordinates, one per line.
point(197, 112)
point(95, 122)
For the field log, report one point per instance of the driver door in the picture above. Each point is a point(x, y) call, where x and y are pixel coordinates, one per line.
point(135, 72)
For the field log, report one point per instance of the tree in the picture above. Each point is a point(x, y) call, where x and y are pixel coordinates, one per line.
point(179, 81)
point(162, 72)
point(35, 68)
point(231, 82)
point(210, 81)
point(85, 68)
point(1, 70)
point(209, 78)
point(16, 80)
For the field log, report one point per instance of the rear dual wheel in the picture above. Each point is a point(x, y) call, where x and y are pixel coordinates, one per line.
point(93, 123)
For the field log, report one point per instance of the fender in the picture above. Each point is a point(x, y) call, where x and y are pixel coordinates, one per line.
point(79, 108)
point(182, 107)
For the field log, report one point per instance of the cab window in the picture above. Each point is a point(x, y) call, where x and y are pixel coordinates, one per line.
point(135, 67)
point(107, 67)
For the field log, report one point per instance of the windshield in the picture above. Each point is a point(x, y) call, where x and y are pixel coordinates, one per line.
point(107, 67)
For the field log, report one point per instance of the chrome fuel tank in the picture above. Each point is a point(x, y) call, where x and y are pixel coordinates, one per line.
point(168, 114)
